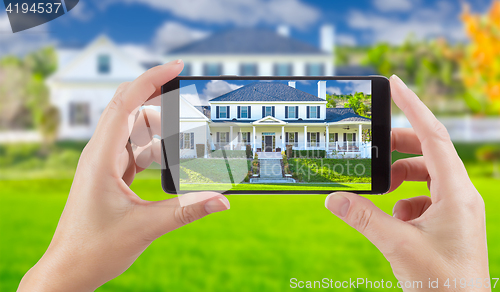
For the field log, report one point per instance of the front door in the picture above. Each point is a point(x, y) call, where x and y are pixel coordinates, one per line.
point(268, 146)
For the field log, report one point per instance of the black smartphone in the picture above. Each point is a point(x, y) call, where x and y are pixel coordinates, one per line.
point(276, 135)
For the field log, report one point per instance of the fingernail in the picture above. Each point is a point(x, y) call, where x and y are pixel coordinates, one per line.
point(217, 205)
point(337, 204)
point(398, 81)
point(178, 61)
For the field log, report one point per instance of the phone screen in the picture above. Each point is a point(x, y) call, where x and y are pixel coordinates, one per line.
point(275, 135)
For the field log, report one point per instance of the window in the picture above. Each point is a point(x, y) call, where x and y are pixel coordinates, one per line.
point(223, 137)
point(79, 114)
point(186, 140)
point(244, 112)
point(313, 112)
point(291, 112)
point(351, 137)
point(223, 112)
point(186, 71)
point(244, 137)
point(313, 139)
point(333, 137)
point(293, 137)
point(103, 64)
point(283, 69)
point(213, 69)
point(315, 69)
point(269, 111)
point(248, 69)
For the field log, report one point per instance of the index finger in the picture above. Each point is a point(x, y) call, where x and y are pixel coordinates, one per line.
point(441, 158)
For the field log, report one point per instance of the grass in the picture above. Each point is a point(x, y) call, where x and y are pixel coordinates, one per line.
point(278, 187)
point(258, 245)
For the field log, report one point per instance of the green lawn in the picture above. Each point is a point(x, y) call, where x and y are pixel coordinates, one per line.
point(258, 245)
point(277, 187)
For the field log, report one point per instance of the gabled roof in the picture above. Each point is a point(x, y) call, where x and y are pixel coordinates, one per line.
point(267, 91)
point(247, 41)
point(343, 115)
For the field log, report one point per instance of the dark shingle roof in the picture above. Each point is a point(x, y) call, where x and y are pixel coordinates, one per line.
point(267, 91)
point(343, 115)
point(247, 41)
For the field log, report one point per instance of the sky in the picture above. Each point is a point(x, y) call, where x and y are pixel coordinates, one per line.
point(166, 24)
point(198, 92)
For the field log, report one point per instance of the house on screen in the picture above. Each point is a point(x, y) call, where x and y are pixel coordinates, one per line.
point(268, 116)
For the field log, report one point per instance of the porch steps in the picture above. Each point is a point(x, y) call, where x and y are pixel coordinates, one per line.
point(270, 172)
point(270, 168)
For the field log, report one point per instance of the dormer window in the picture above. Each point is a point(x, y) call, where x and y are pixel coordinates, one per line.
point(103, 64)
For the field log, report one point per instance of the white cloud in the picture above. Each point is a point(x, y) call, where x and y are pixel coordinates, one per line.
point(422, 23)
point(22, 42)
point(141, 53)
point(172, 35)
point(333, 90)
point(217, 88)
point(346, 40)
point(81, 12)
point(295, 13)
point(393, 5)
point(353, 86)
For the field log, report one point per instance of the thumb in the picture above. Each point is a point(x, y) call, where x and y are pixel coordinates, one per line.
point(360, 213)
point(167, 215)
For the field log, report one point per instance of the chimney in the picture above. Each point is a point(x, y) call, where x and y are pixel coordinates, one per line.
point(291, 84)
point(327, 38)
point(322, 89)
point(283, 30)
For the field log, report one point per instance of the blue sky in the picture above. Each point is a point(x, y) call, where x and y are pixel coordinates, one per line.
point(169, 23)
point(199, 91)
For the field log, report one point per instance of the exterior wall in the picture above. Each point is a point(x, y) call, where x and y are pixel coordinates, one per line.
point(265, 63)
point(257, 110)
point(200, 131)
point(97, 96)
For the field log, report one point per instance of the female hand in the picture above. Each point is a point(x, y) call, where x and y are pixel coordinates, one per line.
point(105, 226)
point(438, 237)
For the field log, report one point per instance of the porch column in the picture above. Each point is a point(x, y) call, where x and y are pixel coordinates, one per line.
point(305, 137)
point(327, 138)
point(360, 135)
point(231, 137)
point(282, 138)
point(253, 140)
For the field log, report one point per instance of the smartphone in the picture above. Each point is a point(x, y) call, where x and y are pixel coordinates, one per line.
point(276, 135)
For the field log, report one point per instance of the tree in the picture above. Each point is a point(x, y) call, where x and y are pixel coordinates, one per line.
point(24, 97)
point(480, 65)
point(357, 104)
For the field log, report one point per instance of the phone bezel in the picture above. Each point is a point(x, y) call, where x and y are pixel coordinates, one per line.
point(381, 126)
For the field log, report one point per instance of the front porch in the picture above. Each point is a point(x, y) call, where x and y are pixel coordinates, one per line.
point(338, 140)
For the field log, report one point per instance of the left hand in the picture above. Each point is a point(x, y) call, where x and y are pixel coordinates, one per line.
point(105, 226)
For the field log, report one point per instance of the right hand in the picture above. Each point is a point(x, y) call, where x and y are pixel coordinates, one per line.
point(442, 236)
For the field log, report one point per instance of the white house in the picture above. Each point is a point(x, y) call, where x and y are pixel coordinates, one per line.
point(87, 78)
point(268, 116)
point(85, 82)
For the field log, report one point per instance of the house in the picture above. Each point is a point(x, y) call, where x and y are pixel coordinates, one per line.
point(268, 116)
point(87, 78)
point(257, 52)
point(85, 82)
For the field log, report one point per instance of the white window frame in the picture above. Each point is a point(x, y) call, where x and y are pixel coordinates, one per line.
point(290, 108)
point(270, 111)
point(311, 108)
point(246, 112)
point(223, 108)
